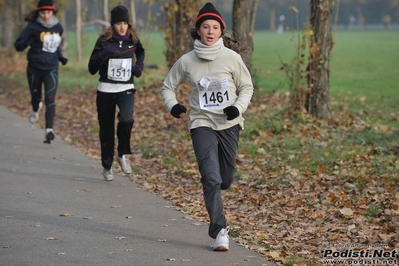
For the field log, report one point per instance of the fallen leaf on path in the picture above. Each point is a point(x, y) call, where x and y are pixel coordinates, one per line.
point(347, 212)
point(275, 255)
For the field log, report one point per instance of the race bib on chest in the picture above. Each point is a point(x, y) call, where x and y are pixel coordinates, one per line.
point(51, 42)
point(213, 94)
point(120, 69)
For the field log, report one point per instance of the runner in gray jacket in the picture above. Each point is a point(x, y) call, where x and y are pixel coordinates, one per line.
point(221, 92)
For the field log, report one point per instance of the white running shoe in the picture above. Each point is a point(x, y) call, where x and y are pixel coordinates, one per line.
point(222, 240)
point(34, 116)
point(108, 175)
point(125, 164)
point(49, 136)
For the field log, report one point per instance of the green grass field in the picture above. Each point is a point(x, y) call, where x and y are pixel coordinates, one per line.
point(363, 64)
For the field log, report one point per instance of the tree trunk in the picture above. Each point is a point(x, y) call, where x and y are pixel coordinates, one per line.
point(252, 16)
point(105, 12)
point(7, 24)
point(320, 47)
point(78, 30)
point(244, 12)
point(133, 13)
point(63, 5)
point(149, 14)
point(241, 21)
point(64, 37)
point(19, 21)
point(177, 34)
point(272, 19)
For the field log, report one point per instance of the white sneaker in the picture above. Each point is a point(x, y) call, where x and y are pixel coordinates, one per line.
point(108, 175)
point(222, 240)
point(49, 136)
point(125, 164)
point(34, 116)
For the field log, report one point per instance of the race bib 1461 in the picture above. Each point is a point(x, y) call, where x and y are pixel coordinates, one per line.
point(213, 94)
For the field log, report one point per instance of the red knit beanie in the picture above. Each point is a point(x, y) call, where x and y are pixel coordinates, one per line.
point(45, 5)
point(208, 11)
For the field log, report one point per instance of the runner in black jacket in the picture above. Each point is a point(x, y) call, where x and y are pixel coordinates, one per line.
point(118, 55)
point(43, 35)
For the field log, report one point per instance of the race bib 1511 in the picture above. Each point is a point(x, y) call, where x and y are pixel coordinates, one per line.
point(120, 69)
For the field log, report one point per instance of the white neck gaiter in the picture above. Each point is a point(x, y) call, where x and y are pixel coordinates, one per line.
point(208, 52)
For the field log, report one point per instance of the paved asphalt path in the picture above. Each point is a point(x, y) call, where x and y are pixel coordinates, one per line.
point(57, 210)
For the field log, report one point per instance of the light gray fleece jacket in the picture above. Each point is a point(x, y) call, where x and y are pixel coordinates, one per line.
point(218, 77)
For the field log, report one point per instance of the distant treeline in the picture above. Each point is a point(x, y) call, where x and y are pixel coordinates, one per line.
point(269, 15)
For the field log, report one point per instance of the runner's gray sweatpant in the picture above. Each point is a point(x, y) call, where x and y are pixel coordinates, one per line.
point(216, 156)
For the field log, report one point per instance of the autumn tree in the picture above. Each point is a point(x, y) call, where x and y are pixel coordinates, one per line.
point(178, 40)
point(62, 6)
point(244, 12)
point(320, 46)
point(20, 10)
point(105, 11)
point(78, 30)
point(133, 13)
point(9, 13)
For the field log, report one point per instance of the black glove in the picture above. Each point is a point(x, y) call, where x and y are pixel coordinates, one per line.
point(64, 61)
point(108, 50)
point(137, 70)
point(231, 112)
point(177, 110)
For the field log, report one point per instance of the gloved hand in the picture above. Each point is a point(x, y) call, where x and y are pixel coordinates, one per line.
point(64, 61)
point(177, 110)
point(108, 50)
point(231, 112)
point(137, 70)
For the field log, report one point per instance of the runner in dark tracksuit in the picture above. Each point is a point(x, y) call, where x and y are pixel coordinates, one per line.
point(43, 35)
point(118, 55)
